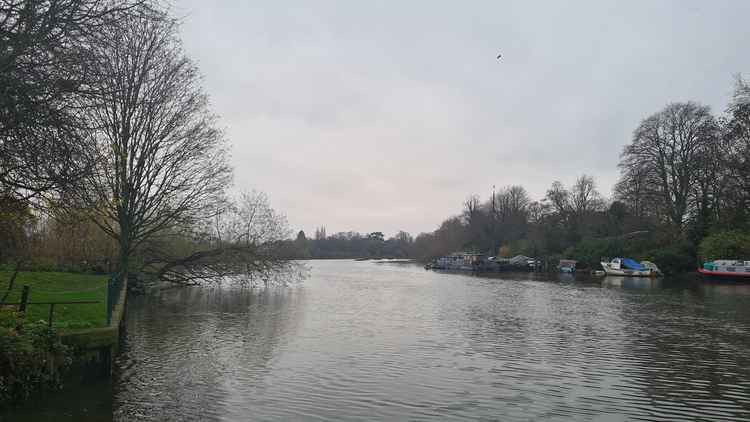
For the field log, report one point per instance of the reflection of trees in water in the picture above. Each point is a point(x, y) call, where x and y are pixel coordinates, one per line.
point(688, 352)
point(183, 347)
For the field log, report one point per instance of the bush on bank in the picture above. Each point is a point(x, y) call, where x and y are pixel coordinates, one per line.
point(730, 244)
point(673, 258)
point(589, 252)
point(32, 357)
point(676, 258)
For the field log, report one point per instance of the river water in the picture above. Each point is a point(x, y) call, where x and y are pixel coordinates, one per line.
point(367, 341)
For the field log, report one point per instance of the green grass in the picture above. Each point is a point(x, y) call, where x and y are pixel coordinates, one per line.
point(62, 287)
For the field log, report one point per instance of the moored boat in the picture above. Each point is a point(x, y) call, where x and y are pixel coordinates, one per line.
point(650, 265)
point(458, 261)
point(567, 266)
point(726, 268)
point(630, 268)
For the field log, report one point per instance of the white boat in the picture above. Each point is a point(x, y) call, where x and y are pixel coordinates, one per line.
point(629, 268)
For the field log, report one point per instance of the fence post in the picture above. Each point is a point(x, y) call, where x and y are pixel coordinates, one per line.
point(109, 301)
point(51, 311)
point(24, 299)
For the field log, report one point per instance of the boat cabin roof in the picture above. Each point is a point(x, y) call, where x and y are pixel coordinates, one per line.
point(568, 262)
point(732, 262)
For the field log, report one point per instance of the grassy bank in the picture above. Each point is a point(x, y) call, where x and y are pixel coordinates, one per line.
point(62, 287)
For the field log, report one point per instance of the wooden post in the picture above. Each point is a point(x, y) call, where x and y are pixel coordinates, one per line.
point(24, 299)
point(109, 302)
point(51, 311)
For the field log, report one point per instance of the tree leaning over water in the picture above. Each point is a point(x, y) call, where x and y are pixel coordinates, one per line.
point(160, 161)
point(244, 242)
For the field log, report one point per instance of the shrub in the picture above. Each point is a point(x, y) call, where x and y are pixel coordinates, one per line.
point(589, 252)
point(673, 258)
point(31, 357)
point(731, 244)
point(676, 258)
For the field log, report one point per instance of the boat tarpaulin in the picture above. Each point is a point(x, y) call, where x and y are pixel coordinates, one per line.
point(629, 263)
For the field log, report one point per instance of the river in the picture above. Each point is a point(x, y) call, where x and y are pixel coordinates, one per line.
point(368, 341)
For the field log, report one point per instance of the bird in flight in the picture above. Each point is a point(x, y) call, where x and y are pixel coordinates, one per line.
point(499, 55)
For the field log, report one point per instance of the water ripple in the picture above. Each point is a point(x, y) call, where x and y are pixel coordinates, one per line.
point(361, 342)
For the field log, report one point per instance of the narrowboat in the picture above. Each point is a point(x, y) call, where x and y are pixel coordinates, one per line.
point(458, 261)
point(726, 268)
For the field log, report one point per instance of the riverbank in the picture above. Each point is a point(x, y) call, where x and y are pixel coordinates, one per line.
point(41, 344)
point(61, 287)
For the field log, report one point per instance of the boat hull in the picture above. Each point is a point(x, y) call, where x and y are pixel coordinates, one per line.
point(627, 272)
point(725, 274)
point(626, 267)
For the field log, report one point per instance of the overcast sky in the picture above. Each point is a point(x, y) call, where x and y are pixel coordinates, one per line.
point(372, 116)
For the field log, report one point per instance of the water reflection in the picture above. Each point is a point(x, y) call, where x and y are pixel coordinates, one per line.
point(182, 344)
point(647, 350)
point(566, 277)
point(685, 355)
point(632, 282)
point(361, 341)
point(720, 289)
point(540, 348)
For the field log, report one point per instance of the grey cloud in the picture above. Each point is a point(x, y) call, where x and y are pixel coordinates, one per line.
point(384, 116)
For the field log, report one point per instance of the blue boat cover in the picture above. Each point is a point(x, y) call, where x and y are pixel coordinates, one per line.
point(629, 263)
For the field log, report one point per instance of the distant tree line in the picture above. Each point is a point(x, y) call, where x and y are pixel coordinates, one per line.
point(110, 157)
point(350, 245)
point(683, 195)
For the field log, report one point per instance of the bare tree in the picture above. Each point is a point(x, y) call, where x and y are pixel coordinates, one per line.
point(478, 220)
point(403, 237)
point(15, 235)
point(244, 242)
point(160, 162)
point(584, 197)
point(471, 211)
point(737, 153)
point(511, 201)
point(537, 211)
point(42, 74)
point(559, 197)
point(637, 187)
point(669, 145)
point(509, 209)
point(519, 199)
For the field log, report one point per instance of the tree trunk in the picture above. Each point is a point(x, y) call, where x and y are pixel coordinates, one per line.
point(124, 264)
